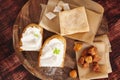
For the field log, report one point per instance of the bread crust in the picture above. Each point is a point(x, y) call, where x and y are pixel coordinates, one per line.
point(31, 25)
point(62, 39)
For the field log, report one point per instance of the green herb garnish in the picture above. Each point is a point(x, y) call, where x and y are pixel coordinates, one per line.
point(56, 51)
point(36, 35)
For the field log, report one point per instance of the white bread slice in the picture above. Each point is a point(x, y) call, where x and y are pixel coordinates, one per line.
point(73, 21)
point(31, 38)
point(47, 57)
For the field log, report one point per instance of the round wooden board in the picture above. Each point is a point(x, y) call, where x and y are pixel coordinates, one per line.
point(30, 13)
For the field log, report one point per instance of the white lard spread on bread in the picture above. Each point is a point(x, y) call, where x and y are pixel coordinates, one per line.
point(52, 54)
point(31, 39)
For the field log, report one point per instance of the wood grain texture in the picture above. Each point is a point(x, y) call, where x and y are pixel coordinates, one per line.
point(30, 13)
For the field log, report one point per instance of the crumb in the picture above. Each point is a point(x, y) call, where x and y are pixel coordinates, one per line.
point(77, 46)
point(73, 74)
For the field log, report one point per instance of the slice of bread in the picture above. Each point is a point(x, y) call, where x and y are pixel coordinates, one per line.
point(73, 21)
point(31, 38)
point(52, 53)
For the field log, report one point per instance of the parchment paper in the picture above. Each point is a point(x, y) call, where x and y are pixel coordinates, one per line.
point(94, 14)
point(105, 39)
point(87, 74)
point(103, 45)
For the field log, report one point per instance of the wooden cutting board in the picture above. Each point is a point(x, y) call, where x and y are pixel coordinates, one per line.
point(30, 13)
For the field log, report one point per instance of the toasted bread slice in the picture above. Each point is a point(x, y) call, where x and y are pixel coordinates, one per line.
point(52, 53)
point(31, 38)
point(73, 21)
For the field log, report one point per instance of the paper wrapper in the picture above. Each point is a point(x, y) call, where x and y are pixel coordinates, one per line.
point(103, 46)
point(94, 14)
point(105, 39)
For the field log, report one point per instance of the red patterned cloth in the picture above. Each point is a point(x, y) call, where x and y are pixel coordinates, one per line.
point(10, 66)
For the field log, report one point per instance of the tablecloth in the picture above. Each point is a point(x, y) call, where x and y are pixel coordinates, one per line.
point(10, 66)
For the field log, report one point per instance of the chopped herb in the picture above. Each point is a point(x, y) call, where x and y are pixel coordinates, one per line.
point(56, 51)
point(36, 35)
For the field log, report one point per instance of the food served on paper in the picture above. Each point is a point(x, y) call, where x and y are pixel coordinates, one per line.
point(73, 21)
point(93, 11)
point(53, 52)
point(31, 39)
point(90, 63)
point(94, 21)
point(92, 59)
point(89, 57)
